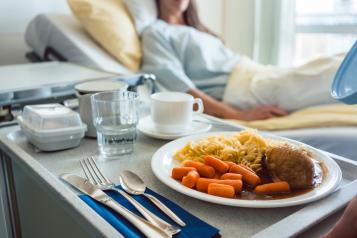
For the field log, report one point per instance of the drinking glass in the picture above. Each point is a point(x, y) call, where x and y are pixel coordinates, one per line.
point(115, 116)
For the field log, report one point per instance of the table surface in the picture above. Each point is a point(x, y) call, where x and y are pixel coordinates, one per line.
point(229, 220)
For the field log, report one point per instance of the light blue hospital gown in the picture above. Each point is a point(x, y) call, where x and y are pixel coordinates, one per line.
point(183, 58)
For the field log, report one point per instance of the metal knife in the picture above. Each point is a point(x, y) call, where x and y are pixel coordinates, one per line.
point(91, 190)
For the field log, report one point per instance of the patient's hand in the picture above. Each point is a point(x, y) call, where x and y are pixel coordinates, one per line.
point(346, 226)
point(260, 113)
point(223, 110)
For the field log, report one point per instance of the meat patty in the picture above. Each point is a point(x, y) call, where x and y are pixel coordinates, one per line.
point(292, 164)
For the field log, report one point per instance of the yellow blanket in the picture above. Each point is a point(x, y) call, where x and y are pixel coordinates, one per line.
point(318, 116)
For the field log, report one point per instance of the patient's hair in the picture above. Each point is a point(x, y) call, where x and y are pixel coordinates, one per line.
point(192, 19)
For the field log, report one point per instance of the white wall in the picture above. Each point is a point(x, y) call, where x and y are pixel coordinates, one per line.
point(211, 13)
point(14, 17)
point(233, 20)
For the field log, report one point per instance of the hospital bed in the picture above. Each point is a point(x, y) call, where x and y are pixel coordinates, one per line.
point(61, 37)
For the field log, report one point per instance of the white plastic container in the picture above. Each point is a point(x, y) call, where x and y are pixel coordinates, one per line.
point(52, 127)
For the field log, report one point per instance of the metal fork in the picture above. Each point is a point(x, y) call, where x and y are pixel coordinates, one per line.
point(95, 176)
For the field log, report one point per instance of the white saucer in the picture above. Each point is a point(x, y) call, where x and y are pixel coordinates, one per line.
point(146, 127)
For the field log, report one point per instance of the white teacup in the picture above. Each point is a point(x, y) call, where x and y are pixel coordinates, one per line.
point(171, 112)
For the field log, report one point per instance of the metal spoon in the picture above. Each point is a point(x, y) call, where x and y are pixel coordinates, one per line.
point(133, 184)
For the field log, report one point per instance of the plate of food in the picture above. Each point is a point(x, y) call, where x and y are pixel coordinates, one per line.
point(246, 169)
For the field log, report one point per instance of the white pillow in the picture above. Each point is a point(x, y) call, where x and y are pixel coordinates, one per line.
point(144, 13)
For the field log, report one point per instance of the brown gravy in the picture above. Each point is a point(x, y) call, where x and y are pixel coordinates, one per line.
point(320, 173)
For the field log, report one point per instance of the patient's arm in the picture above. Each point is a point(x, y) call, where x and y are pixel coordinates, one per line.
point(346, 226)
point(223, 110)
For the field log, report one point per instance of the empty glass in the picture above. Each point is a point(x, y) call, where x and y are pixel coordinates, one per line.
point(115, 116)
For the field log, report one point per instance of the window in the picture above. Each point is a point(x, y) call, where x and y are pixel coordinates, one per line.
point(324, 27)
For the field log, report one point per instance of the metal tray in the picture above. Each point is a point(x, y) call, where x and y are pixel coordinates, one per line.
point(309, 220)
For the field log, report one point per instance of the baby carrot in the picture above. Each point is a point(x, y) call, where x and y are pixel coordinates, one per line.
point(221, 190)
point(203, 170)
point(272, 188)
point(248, 176)
point(190, 179)
point(248, 168)
point(207, 171)
point(237, 184)
point(231, 176)
point(229, 163)
point(217, 164)
point(202, 184)
point(180, 172)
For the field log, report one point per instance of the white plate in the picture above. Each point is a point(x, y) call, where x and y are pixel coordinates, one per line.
point(163, 162)
point(146, 126)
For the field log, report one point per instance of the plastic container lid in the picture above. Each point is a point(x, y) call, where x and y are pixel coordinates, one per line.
point(51, 120)
point(344, 86)
point(52, 126)
point(100, 86)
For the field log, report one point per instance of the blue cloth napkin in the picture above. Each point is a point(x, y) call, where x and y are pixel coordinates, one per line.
point(195, 227)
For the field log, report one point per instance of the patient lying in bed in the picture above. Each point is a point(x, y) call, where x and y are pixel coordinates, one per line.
point(187, 57)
